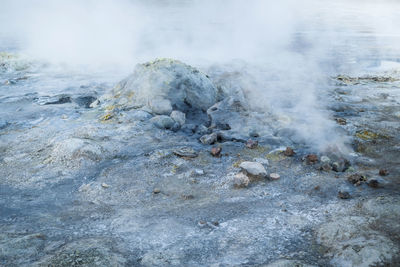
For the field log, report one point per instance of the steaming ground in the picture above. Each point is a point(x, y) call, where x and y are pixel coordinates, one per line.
point(106, 164)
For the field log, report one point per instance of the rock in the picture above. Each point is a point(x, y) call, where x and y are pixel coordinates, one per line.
point(186, 152)
point(85, 101)
point(251, 144)
point(178, 116)
point(209, 139)
point(274, 176)
point(95, 104)
point(253, 169)
point(137, 115)
point(325, 167)
point(289, 152)
point(383, 172)
point(241, 180)
point(184, 86)
point(160, 106)
point(163, 122)
point(325, 159)
point(202, 130)
point(216, 152)
point(373, 183)
point(197, 172)
point(156, 190)
point(227, 113)
point(356, 179)
point(340, 165)
point(341, 121)
point(104, 185)
point(343, 195)
point(311, 159)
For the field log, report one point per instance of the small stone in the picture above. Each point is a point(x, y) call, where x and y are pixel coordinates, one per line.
point(356, 179)
point(179, 117)
point(215, 223)
point(156, 190)
point(326, 167)
point(202, 223)
point(197, 172)
point(325, 159)
point(251, 143)
point(343, 195)
point(373, 183)
point(241, 180)
point(253, 169)
point(274, 176)
point(216, 151)
point(95, 104)
point(341, 121)
point(163, 122)
point(186, 152)
point(289, 152)
point(340, 165)
point(160, 106)
point(104, 185)
point(209, 139)
point(311, 159)
point(383, 172)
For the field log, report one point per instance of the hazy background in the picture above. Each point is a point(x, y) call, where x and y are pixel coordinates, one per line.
point(284, 50)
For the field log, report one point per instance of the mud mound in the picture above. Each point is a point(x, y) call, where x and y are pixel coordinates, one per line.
point(163, 85)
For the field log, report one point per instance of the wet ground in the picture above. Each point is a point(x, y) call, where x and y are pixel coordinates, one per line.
point(81, 190)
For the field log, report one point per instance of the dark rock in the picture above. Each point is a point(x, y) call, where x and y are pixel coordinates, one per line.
point(55, 100)
point(226, 113)
point(356, 179)
point(343, 195)
point(289, 152)
point(251, 143)
point(216, 151)
point(311, 159)
point(383, 172)
point(341, 121)
point(373, 183)
point(325, 167)
point(186, 152)
point(85, 101)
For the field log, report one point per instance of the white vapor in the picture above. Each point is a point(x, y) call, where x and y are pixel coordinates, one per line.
point(288, 46)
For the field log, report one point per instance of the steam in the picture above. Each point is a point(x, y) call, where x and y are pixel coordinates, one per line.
point(287, 48)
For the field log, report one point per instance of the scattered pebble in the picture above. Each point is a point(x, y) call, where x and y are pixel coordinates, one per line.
point(340, 165)
point(216, 151)
point(325, 159)
point(104, 185)
point(289, 152)
point(343, 195)
point(251, 143)
point(274, 176)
